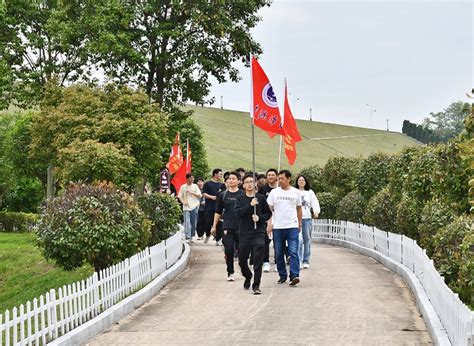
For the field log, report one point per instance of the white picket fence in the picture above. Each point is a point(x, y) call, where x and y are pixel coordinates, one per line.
point(456, 317)
point(58, 312)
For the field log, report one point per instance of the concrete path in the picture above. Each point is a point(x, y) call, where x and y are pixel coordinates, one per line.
point(344, 299)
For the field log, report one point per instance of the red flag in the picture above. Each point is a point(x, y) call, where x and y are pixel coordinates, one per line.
point(176, 157)
point(292, 134)
point(179, 178)
point(266, 114)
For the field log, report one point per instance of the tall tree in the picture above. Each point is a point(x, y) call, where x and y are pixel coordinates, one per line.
point(41, 40)
point(171, 48)
point(449, 122)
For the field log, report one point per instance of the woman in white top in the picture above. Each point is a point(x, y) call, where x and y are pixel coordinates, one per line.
point(308, 202)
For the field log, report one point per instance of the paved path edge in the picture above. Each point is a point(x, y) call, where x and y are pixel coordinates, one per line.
point(435, 327)
point(123, 308)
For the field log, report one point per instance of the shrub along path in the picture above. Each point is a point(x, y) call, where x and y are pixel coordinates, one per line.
point(24, 272)
point(344, 298)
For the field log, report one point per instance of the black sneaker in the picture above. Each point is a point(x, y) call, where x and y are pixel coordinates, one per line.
point(282, 280)
point(256, 290)
point(247, 283)
point(295, 281)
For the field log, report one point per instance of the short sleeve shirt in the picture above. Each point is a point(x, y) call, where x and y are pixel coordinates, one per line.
point(284, 204)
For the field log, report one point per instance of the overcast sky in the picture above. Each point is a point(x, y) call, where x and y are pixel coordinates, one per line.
point(404, 58)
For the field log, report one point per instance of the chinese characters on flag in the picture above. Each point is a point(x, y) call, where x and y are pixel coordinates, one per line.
point(176, 157)
point(266, 114)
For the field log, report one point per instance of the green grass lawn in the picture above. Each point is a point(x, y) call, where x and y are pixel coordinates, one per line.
point(227, 138)
point(24, 272)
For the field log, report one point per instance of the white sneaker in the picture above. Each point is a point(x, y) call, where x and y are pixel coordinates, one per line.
point(230, 277)
point(306, 265)
point(301, 265)
point(266, 267)
point(206, 239)
point(218, 242)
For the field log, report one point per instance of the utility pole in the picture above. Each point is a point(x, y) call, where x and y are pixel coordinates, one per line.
point(387, 126)
point(311, 114)
point(222, 102)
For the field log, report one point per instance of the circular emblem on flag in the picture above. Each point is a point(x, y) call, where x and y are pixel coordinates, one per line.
point(269, 97)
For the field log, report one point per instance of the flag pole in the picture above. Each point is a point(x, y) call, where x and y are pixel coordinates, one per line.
point(281, 136)
point(252, 125)
point(279, 154)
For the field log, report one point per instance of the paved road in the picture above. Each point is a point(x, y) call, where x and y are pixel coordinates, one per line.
point(344, 299)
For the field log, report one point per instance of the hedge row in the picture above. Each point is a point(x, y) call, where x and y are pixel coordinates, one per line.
point(421, 192)
point(17, 222)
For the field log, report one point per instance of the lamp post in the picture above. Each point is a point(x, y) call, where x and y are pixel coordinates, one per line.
point(311, 114)
point(372, 110)
point(222, 102)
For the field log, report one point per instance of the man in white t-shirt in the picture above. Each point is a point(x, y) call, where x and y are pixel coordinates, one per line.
point(285, 202)
point(189, 195)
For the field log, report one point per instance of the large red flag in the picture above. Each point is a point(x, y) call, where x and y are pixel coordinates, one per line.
point(176, 157)
point(292, 135)
point(266, 114)
point(179, 178)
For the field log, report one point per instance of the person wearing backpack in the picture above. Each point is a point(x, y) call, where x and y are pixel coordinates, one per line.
point(225, 208)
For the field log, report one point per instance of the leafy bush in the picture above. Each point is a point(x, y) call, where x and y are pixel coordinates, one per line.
point(164, 213)
point(17, 222)
point(351, 207)
point(25, 194)
point(328, 202)
point(453, 256)
point(434, 216)
point(96, 223)
point(399, 167)
point(381, 211)
point(314, 174)
point(372, 174)
point(407, 219)
point(340, 172)
point(449, 178)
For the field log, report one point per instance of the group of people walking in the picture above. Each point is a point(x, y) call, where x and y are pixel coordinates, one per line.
point(245, 212)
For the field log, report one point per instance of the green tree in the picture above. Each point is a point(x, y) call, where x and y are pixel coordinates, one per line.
point(111, 114)
point(91, 160)
point(170, 48)
point(39, 41)
point(449, 122)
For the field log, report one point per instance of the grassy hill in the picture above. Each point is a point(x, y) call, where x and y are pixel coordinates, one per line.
point(227, 137)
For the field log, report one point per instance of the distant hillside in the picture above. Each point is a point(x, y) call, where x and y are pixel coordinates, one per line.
point(227, 137)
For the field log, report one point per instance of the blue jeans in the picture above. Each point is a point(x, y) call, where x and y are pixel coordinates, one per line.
point(305, 245)
point(280, 238)
point(190, 222)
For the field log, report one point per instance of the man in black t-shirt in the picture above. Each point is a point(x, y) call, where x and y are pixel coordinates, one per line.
point(253, 212)
point(210, 191)
point(225, 208)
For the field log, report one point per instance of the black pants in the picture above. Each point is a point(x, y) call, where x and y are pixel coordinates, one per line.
point(255, 246)
point(230, 240)
point(208, 221)
point(266, 254)
point(266, 251)
point(200, 224)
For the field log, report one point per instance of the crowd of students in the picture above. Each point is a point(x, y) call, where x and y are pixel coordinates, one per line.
point(245, 212)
